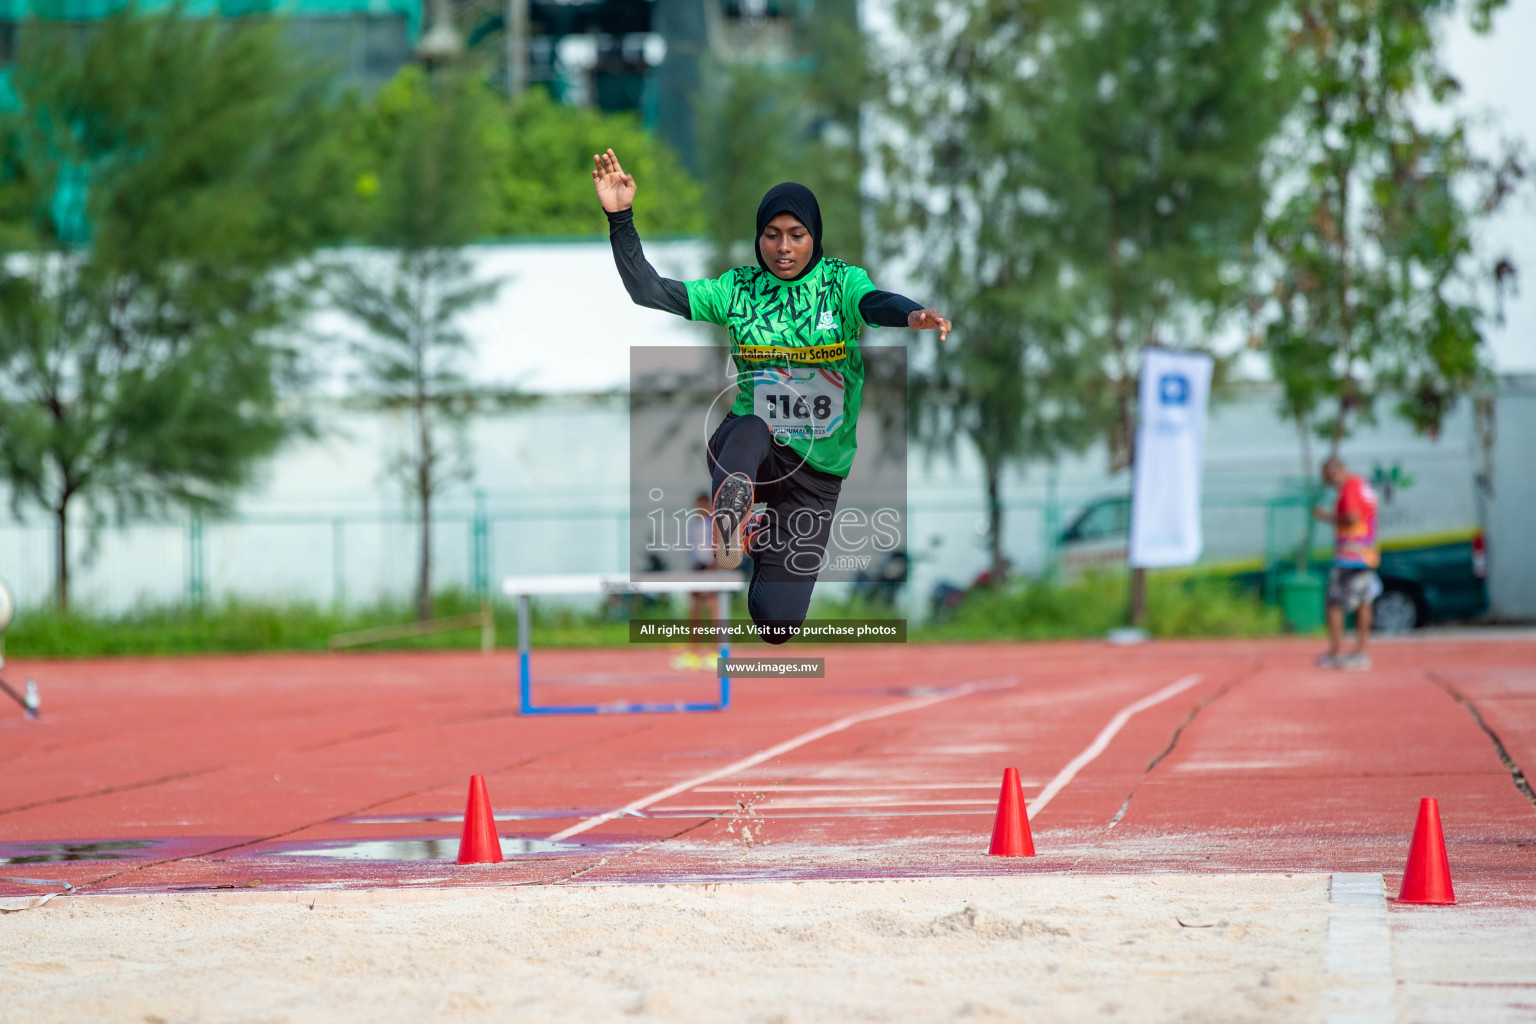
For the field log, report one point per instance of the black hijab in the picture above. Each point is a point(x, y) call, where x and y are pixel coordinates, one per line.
point(799, 202)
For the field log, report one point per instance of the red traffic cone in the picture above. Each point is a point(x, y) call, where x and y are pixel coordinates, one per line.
point(1427, 878)
point(479, 844)
point(1010, 833)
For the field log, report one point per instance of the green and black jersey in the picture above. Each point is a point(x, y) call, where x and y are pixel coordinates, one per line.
point(795, 343)
point(796, 348)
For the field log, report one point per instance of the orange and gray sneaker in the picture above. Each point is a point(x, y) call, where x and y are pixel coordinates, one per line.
point(732, 512)
point(757, 522)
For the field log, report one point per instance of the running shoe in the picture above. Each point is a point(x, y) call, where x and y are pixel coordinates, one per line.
point(1355, 662)
point(757, 522)
point(1327, 661)
point(732, 508)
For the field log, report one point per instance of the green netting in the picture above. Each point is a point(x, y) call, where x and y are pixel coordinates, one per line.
point(89, 10)
point(1293, 540)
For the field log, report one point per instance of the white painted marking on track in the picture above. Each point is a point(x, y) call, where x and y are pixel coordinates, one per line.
point(1101, 741)
point(901, 707)
point(856, 786)
point(848, 812)
point(770, 805)
point(1361, 989)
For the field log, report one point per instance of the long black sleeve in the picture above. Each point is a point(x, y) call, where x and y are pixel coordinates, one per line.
point(884, 309)
point(645, 286)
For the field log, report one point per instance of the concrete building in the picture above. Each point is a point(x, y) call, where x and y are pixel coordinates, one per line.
point(1508, 429)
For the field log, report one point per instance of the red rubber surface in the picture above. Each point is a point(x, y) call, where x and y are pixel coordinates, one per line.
point(1266, 764)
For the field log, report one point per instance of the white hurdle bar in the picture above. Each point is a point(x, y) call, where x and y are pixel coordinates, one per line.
point(525, 587)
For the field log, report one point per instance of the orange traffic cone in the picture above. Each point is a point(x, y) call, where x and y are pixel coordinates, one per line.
point(479, 844)
point(1427, 878)
point(1010, 833)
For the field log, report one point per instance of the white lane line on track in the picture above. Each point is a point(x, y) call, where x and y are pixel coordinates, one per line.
point(772, 806)
point(1101, 741)
point(901, 707)
point(864, 788)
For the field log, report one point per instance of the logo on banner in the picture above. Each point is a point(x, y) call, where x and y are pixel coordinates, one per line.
point(1171, 415)
point(1173, 389)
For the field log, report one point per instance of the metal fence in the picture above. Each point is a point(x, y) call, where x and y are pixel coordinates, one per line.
point(352, 558)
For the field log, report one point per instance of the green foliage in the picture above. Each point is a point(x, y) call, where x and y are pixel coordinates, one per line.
point(1152, 145)
point(964, 208)
point(431, 152)
point(751, 113)
point(1207, 606)
point(161, 177)
point(519, 170)
point(1381, 287)
point(1180, 606)
point(1077, 181)
point(243, 626)
point(839, 82)
point(1177, 606)
point(762, 124)
point(544, 186)
point(432, 149)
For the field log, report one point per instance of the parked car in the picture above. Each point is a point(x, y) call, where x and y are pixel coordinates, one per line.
point(1425, 577)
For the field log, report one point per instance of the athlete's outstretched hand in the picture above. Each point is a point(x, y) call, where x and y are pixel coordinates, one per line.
point(929, 320)
point(615, 189)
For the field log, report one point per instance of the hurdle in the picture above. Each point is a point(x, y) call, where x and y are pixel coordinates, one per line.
point(526, 587)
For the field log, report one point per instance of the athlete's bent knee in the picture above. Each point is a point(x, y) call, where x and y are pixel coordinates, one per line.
point(756, 424)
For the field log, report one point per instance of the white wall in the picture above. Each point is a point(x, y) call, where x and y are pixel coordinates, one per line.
point(561, 322)
point(1512, 505)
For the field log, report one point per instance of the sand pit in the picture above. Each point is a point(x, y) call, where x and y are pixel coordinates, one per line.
point(1046, 948)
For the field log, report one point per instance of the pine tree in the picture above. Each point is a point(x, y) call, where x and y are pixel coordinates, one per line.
point(964, 212)
point(431, 160)
point(160, 178)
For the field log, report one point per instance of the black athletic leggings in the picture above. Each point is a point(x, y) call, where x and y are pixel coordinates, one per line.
point(788, 554)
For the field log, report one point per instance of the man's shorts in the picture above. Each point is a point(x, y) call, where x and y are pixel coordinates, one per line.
point(1350, 586)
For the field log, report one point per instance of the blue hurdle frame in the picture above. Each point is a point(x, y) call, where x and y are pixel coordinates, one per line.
point(526, 705)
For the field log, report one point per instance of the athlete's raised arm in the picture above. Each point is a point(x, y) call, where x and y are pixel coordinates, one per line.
point(616, 191)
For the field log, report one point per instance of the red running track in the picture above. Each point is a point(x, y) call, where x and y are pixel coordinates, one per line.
point(187, 774)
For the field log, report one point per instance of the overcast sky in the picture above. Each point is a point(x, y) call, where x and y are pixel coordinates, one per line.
point(1499, 76)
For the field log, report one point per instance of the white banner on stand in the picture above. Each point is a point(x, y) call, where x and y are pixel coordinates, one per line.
point(1170, 456)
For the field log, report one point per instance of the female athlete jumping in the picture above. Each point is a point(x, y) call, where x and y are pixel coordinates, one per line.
point(789, 439)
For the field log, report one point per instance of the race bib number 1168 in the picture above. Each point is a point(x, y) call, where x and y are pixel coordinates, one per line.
point(798, 402)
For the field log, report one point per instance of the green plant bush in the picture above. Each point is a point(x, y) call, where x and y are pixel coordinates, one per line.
point(245, 626)
point(1177, 606)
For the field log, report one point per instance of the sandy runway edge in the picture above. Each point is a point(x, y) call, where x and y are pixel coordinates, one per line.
point(1144, 948)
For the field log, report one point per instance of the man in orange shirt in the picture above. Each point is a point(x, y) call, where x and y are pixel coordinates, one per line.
point(1352, 582)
